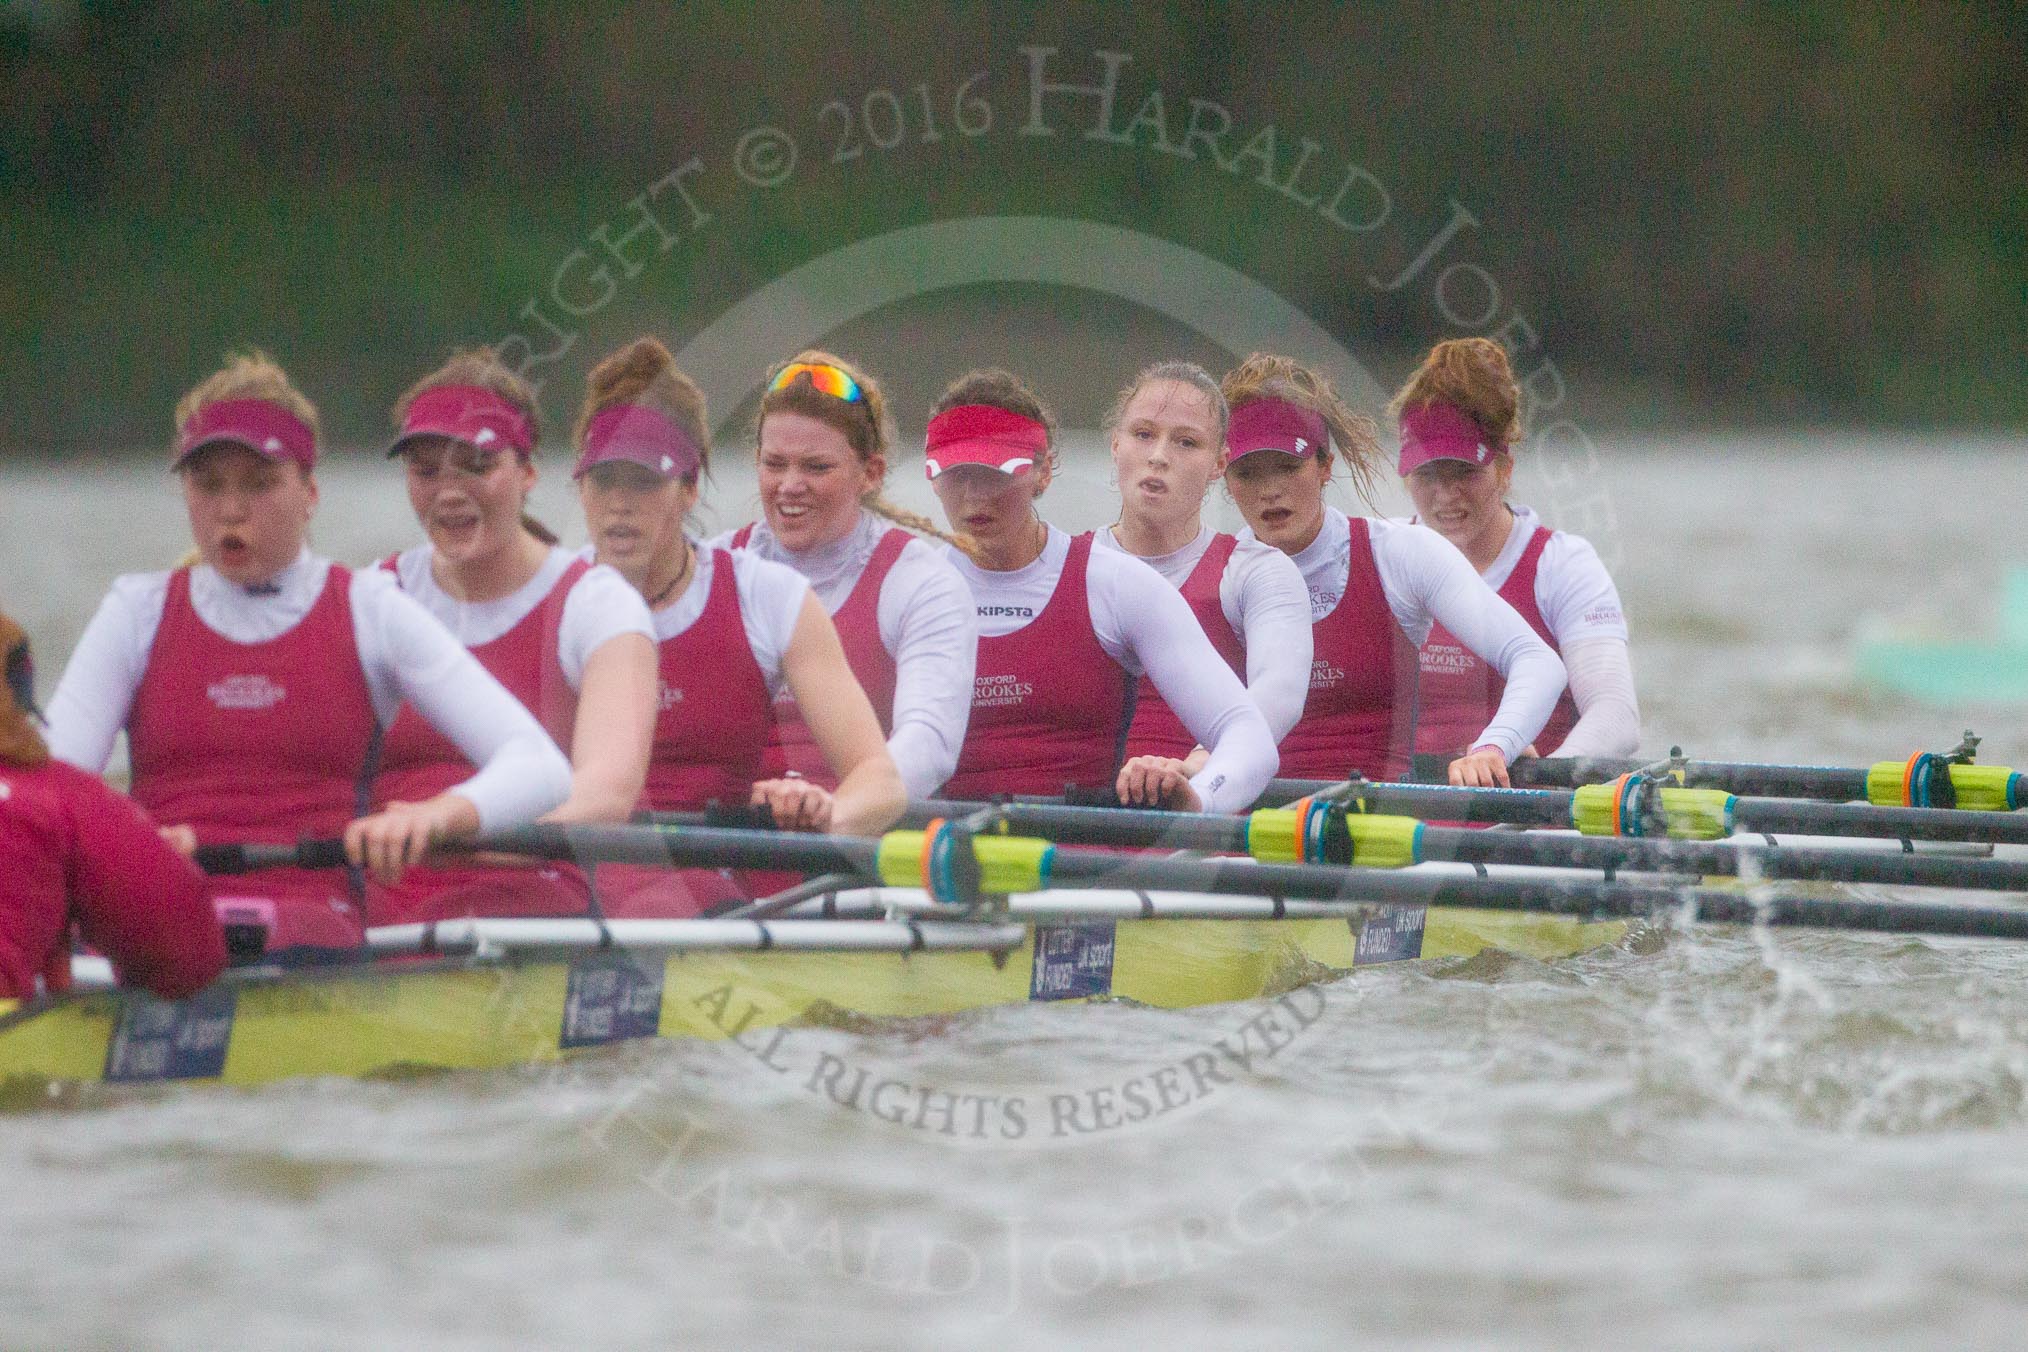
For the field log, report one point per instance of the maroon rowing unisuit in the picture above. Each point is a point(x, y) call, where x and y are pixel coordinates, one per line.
point(74, 853)
point(1459, 693)
point(1360, 714)
point(210, 711)
point(712, 724)
point(1156, 731)
point(710, 732)
point(790, 745)
point(417, 763)
point(1048, 703)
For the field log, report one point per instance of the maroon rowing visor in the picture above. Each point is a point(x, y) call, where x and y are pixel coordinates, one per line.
point(1440, 432)
point(1275, 425)
point(472, 414)
point(261, 426)
point(638, 435)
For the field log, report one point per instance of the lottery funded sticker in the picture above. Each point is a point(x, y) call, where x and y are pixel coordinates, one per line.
point(1073, 961)
point(1390, 934)
point(172, 1039)
point(609, 998)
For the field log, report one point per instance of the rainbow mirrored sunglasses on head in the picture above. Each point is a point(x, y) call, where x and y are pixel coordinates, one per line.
point(824, 378)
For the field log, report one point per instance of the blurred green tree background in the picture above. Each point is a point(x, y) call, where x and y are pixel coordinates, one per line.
point(1769, 213)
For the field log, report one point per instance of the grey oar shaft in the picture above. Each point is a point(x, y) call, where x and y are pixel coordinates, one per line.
point(1783, 815)
point(1437, 802)
point(1590, 899)
point(1147, 827)
point(1071, 867)
point(1792, 863)
point(1191, 831)
point(1832, 784)
point(1774, 816)
point(689, 847)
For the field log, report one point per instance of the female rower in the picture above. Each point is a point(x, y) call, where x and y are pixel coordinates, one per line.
point(1460, 417)
point(1168, 447)
point(78, 855)
point(1064, 630)
point(570, 640)
point(252, 684)
point(902, 613)
point(734, 629)
point(1376, 587)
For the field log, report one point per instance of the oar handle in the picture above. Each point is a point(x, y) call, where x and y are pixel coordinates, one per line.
point(736, 816)
point(690, 847)
point(249, 858)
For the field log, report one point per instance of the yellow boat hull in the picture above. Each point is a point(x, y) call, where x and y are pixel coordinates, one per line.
point(354, 1022)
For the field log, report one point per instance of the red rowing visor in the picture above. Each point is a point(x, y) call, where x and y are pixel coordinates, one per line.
point(262, 427)
point(473, 414)
point(981, 434)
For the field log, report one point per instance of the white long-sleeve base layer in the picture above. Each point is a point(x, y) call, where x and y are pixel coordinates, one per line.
point(1427, 581)
point(770, 599)
point(405, 654)
point(925, 619)
point(1578, 601)
point(601, 606)
point(1263, 598)
point(1144, 624)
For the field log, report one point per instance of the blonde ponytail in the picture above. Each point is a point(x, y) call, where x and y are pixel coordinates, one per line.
point(918, 524)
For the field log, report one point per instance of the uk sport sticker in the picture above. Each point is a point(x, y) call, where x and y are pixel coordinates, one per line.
point(1390, 935)
point(1072, 962)
point(172, 1039)
point(609, 999)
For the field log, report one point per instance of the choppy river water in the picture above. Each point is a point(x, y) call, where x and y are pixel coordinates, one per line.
point(1708, 1138)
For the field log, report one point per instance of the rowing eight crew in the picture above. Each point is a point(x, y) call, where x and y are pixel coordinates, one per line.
point(675, 673)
